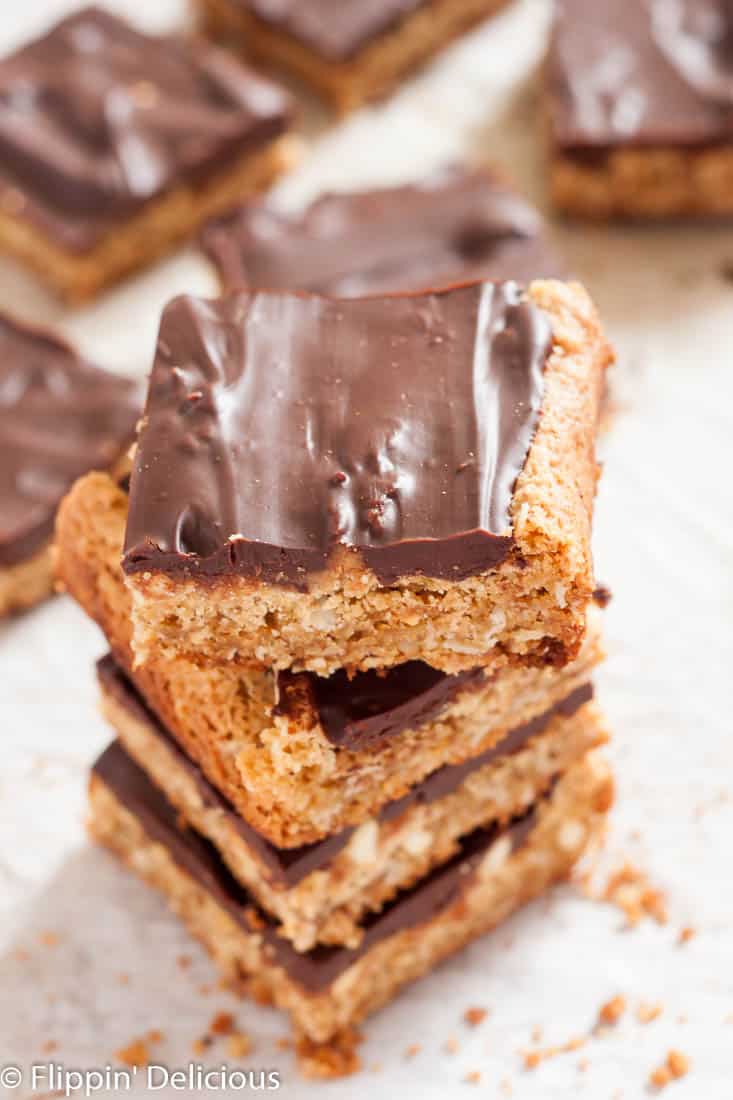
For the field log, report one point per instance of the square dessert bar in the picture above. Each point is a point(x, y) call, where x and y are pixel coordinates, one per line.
point(59, 417)
point(640, 106)
point(301, 757)
point(328, 990)
point(322, 483)
point(322, 892)
point(349, 51)
point(116, 145)
point(457, 225)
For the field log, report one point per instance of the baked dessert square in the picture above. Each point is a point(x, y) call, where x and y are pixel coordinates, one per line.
point(328, 990)
point(349, 51)
point(116, 145)
point(323, 484)
point(301, 757)
point(59, 417)
point(640, 107)
point(319, 893)
point(459, 224)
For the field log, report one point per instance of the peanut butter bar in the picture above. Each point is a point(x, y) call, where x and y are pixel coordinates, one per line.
point(457, 225)
point(329, 989)
point(349, 51)
point(640, 108)
point(321, 892)
point(115, 145)
point(322, 484)
point(59, 417)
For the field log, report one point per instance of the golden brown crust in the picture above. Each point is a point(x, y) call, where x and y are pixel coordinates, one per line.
point(374, 71)
point(529, 610)
point(567, 823)
point(281, 772)
point(646, 184)
point(165, 222)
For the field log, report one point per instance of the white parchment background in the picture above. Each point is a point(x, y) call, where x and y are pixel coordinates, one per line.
point(664, 542)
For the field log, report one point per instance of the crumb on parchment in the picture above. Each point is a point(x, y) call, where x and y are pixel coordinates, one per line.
point(475, 1016)
point(675, 1065)
point(611, 1012)
point(134, 1054)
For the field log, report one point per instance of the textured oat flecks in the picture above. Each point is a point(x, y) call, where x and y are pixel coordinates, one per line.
point(375, 69)
point(566, 823)
point(528, 610)
point(380, 857)
point(280, 771)
point(645, 184)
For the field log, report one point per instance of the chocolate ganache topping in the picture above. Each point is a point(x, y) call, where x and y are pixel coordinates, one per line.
point(455, 226)
point(362, 711)
point(96, 119)
point(334, 29)
point(59, 418)
point(318, 968)
point(641, 72)
point(279, 426)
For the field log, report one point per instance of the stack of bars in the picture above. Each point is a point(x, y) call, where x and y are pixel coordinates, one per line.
point(349, 599)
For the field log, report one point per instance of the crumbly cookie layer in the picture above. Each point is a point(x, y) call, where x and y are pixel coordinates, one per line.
point(647, 184)
point(280, 771)
point(498, 882)
point(530, 609)
point(374, 71)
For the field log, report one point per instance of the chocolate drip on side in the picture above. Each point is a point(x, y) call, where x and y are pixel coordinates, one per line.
point(314, 970)
point(290, 866)
point(281, 426)
point(60, 417)
point(458, 225)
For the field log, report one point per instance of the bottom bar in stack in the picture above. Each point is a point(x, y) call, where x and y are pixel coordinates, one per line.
point(329, 989)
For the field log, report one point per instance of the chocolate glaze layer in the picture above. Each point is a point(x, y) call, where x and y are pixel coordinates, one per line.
point(97, 119)
point(641, 73)
point(334, 29)
point(59, 418)
point(363, 711)
point(458, 225)
point(316, 969)
point(289, 866)
point(279, 426)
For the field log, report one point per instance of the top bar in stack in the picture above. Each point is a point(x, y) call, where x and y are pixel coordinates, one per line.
point(348, 50)
point(639, 101)
point(322, 484)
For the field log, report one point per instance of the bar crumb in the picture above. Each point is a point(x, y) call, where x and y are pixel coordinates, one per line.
point(337, 1058)
point(611, 1012)
point(475, 1016)
point(675, 1066)
point(239, 1045)
point(222, 1024)
point(135, 1054)
point(648, 1011)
